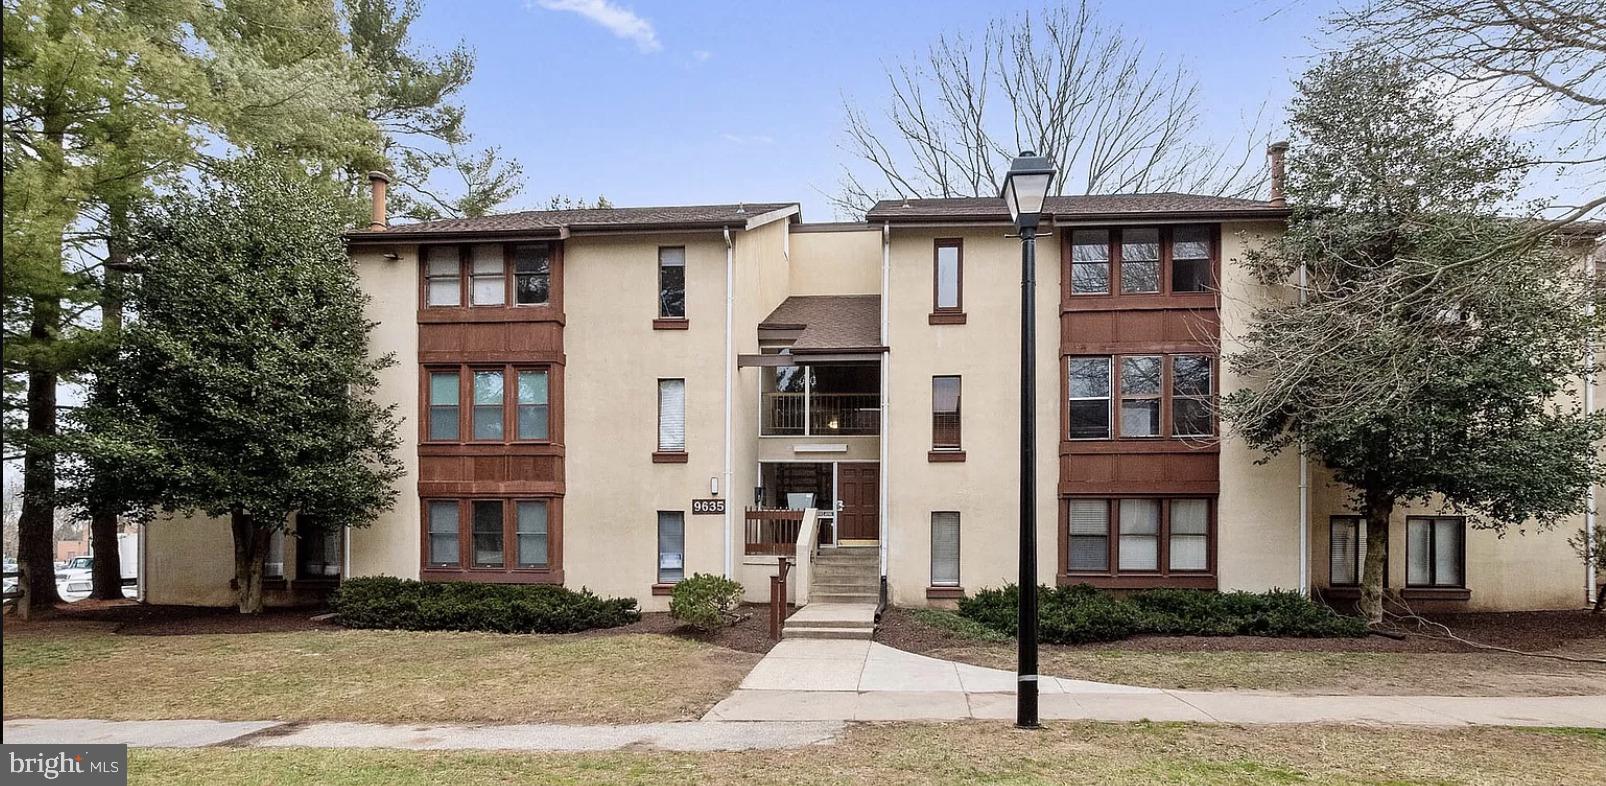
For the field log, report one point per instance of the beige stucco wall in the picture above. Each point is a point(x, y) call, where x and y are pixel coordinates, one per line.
point(984, 352)
point(785, 449)
point(846, 262)
point(190, 558)
point(614, 359)
point(1257, 540)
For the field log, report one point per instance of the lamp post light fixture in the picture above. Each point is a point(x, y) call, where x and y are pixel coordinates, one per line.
point(1025, 187)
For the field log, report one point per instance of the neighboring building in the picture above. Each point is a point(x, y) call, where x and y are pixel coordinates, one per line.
point(577, 383)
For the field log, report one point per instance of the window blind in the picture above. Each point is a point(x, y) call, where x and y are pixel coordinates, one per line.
point(672, 415)
point(488, 275)
point(945, 549)
point(1090, 535)
point(1190, 534)
point(1139, 548)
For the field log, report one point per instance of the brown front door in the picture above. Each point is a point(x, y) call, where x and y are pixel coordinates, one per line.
point(858, 517)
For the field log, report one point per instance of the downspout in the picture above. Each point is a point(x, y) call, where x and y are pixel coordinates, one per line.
point(886, 428)
point(730, 360)
point(142, 549)
point(1304, 491)
point(1590, 579)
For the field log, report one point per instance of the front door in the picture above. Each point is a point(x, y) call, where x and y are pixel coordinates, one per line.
point(858, 516)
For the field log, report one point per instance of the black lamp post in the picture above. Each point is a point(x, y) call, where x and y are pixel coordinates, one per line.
point(1025, 187)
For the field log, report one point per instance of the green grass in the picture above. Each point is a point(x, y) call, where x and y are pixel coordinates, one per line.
point(972, 752)
point(53, 671)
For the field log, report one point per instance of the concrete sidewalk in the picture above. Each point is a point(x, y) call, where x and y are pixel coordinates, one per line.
point(807, 680)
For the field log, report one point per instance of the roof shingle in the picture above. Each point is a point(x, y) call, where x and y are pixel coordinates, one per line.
point(830, 322)
point(1072, 207)
point(539, 221)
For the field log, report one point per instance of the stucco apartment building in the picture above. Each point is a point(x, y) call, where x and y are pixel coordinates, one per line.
point(619, 398)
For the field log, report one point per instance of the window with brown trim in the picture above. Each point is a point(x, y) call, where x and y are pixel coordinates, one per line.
point(1140, 536)
point(672, 282)
point(443, 276)
point(948, 276)
point(1435, 551)
point(1142, 261)
point(489, 416)
point(489, 537)
point(945, 413)
point(1164, 396)
point(487, 275)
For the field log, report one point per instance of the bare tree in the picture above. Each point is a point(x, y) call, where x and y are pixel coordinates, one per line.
point(1113, 117)
point(1531, 65)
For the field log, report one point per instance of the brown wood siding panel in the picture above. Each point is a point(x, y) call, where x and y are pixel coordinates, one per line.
point(509, 338)
point(1140, 473)
point(1155, 331)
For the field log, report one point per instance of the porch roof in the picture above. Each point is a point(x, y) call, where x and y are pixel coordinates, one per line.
point(829, 323)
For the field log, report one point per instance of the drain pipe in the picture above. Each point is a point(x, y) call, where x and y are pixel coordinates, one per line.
point(1591, 587)
point(730, 318)
point(1304, 489)
point(886, 387)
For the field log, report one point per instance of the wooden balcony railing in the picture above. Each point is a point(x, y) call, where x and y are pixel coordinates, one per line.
point(772, 532)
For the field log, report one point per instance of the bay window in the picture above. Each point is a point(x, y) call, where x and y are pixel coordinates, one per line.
point(496, 539)
point(490, 417)
point(1162, 260)
point(1150, 387)
point(1140, 541)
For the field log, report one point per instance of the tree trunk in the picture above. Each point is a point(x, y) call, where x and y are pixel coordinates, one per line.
point(1379, 509)
point(108, 568)
point(250, 544)
point(36, 527)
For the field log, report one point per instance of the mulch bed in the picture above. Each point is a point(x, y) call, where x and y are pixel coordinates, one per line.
point(1530, 631)
point(129, 618)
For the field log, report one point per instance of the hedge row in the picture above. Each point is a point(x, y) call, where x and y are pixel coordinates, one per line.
point(1080, 614)
point(386, 602)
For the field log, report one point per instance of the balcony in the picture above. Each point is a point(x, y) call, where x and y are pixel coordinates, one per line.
point(825, 401)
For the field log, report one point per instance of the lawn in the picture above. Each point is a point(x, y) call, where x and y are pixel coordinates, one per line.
point(1062, 753)
point(84, 670)
point(1365, 666)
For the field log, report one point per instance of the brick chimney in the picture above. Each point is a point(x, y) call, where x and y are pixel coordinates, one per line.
point(379, 182)
point(1275, 153)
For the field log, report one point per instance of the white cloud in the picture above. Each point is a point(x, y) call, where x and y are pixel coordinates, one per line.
point(622, 22)
point(748, 139)
point(701, 55)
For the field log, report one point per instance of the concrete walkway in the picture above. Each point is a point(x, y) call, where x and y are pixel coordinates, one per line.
point(813, 680)
point(689, 736)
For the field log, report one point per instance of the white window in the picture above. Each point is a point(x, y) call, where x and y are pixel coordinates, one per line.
point(1434, 551)
point(1190, 396)
point(1140, 396)
point(1139, 548)
point(443, 533)
point(1346, 550)
point(488, 276)
point(1090, 262)
point(671, 546)
point(1090, 536)
point(530, 529)
point(1190, 534)
point(1140, 260)
point(1089, 398)
point(672, 416)
point(945, 549)
point(443, 275)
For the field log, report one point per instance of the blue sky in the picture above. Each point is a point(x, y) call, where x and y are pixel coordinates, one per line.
point(657, 102)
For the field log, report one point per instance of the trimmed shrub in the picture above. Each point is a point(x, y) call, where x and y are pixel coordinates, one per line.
point(1079, 614)
point(404, 604)
point(705, 601)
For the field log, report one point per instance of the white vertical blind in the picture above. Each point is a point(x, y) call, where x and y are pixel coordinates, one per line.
point(1447, 535)
point(1419, 551)
point(488, 276)
point(1344, 550)
point(1139, 548)
point(672, 415)
point(945, 549)
point(1090, 535)
point(444, 271)
point(1190, 534)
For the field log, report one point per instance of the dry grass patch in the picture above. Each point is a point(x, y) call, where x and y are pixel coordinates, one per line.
point(1063, 753)
point(84, 671)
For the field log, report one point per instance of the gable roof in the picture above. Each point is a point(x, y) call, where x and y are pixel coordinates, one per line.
point(829, 323)
point(1075, 208)
point(558, 223)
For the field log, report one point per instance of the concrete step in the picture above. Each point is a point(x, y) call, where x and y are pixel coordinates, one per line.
point(835, 622)
point(793, 632)
point(838, 586)
point(848, 573)
point(848, 555)
point(845, 597)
